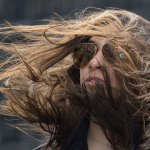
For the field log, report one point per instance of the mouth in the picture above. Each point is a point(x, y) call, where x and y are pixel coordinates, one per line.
point(93, 80)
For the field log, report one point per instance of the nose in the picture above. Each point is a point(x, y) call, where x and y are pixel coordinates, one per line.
point(96, 62)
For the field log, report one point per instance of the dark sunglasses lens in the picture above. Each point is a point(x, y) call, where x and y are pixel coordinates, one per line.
point(84, 53)
point(108, 53)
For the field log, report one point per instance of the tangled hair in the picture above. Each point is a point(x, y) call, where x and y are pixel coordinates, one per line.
point(42, 85)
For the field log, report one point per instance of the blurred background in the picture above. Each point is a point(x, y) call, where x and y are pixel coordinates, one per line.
point(32, 12)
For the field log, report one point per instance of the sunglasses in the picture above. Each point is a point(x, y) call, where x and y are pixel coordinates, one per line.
point(84, 53)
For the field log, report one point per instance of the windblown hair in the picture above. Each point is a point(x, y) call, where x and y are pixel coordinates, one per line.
point(42, 85)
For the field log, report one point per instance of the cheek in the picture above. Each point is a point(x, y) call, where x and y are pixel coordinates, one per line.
point(83, 73)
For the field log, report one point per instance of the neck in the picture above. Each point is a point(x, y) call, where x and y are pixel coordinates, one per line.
point(96, 138)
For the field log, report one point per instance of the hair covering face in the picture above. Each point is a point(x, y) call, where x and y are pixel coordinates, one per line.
point(43, 85)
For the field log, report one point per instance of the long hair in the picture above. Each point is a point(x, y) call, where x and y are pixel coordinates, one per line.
point(42, 84)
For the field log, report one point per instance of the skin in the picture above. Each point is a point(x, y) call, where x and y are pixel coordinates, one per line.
point(89, 74)
point(92, 71)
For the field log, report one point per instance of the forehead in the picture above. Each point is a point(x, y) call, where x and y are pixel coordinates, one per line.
point(99, 41)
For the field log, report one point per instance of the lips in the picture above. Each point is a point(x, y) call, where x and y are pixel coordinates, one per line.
point(91, 80)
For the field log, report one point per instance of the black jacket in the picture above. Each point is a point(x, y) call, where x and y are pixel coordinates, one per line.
point(78, 141)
